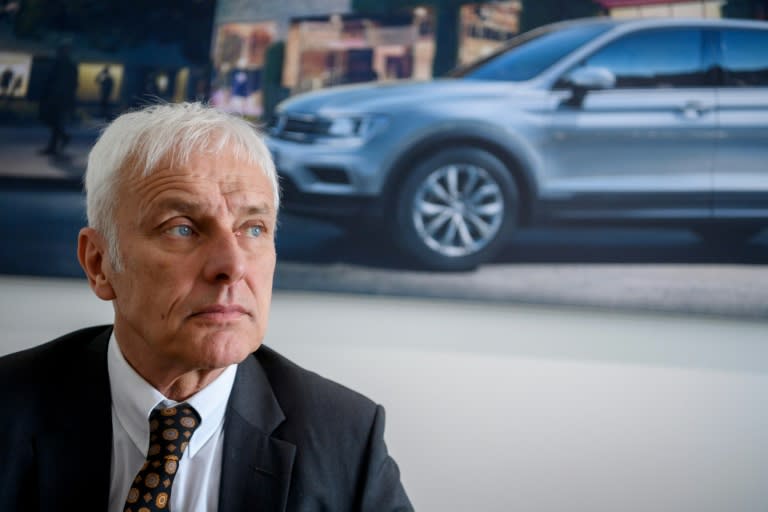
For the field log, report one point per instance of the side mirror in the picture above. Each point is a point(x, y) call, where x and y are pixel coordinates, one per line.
point(586, 79)
point(591, 78)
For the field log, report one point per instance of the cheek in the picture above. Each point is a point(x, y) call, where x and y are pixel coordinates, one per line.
point(260, 278)
point(158, 287)
point(266, 267)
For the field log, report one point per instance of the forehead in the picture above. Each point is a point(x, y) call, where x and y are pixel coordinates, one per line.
point(204, 176)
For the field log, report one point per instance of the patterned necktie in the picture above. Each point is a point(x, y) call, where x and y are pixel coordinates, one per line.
point(169, 433)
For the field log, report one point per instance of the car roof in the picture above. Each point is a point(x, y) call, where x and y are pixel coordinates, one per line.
point(633, 23)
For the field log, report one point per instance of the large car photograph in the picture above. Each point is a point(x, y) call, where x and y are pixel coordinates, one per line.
point(591, 121)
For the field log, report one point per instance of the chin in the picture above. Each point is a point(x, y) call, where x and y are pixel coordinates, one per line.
point(222, 349)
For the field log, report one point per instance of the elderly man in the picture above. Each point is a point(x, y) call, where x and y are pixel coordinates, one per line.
point(178, 406)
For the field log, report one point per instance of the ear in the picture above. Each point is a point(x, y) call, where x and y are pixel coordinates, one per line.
point(93, 257)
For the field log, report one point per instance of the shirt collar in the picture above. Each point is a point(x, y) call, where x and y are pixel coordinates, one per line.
point(133, 399)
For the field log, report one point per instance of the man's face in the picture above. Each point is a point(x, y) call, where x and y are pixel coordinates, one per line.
point(198, 253)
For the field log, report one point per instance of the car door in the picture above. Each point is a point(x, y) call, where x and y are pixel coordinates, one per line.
point(643, 148)
point(741, 161)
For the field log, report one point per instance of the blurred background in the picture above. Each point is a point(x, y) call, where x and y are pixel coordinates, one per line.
point(247, 56)
point(588, 366)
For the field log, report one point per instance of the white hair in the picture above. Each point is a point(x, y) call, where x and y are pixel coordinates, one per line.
point(135, 143)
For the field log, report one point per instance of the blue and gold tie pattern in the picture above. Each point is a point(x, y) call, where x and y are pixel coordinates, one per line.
point(169, 433)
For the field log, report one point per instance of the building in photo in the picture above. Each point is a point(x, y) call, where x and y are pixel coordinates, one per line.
point(663, 8)
point(334, 42)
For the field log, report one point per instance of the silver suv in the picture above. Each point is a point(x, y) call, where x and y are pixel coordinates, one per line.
point(643, 121)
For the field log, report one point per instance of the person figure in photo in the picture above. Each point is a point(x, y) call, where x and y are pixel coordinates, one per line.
point(57, 101)
point(239, 91)
point(6, 78)
point(178, 405)
point(106, 84)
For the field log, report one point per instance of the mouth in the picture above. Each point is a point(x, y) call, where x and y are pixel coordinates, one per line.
point(220, 313)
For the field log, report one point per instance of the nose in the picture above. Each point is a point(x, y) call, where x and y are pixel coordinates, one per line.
point(226, 260)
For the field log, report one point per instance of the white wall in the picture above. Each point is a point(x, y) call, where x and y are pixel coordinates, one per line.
point(501, 407)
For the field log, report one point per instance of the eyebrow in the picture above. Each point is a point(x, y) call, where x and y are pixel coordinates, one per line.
point(189, 207)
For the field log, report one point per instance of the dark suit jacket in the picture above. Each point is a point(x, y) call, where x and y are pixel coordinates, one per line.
point(293, 441)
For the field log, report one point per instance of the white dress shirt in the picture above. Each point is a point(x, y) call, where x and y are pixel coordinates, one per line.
point(196, 486)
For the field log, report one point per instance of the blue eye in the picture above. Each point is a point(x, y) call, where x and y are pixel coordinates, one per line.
point(182, 230)
point(254, 231)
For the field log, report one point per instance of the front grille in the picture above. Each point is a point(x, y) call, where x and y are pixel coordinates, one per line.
point(305, 126)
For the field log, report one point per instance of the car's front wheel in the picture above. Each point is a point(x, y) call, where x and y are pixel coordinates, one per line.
point(455, 209)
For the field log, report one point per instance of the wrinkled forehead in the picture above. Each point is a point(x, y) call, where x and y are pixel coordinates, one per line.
point(208, 185)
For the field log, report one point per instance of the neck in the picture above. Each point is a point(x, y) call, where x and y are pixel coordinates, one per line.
point(174, 381)
point(187, 384)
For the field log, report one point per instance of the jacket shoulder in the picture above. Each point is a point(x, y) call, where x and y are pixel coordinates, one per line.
point(44, 363)
point(295, 386)
point(52, 349)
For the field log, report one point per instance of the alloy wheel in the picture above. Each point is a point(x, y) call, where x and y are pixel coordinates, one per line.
point(458, 209)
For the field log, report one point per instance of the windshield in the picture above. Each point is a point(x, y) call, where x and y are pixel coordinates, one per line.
point(530, 54)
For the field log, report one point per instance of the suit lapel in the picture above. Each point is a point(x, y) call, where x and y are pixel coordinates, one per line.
point(74, 452)
point(256, 468)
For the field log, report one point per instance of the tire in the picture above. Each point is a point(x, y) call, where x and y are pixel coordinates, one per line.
point(455, 210)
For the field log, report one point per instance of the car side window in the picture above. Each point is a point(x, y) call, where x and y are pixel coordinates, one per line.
point(662, 58)
point(744, 56)
point(532, 54)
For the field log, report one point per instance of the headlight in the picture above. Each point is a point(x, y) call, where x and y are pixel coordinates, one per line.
point(355, 127)
point(345, 127)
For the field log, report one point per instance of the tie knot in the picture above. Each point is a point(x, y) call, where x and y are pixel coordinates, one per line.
point(170, 429)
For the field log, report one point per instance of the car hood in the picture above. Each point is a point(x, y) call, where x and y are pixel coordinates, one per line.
point(393, 96)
